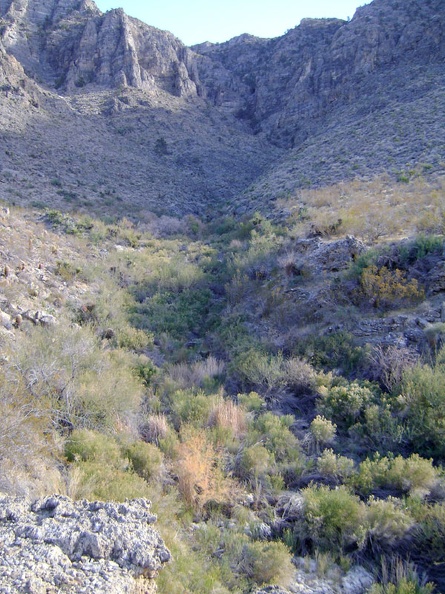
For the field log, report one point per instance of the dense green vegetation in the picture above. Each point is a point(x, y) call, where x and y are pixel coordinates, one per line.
point(200, 372)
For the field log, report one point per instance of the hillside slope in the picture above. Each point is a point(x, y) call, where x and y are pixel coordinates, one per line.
point(103, 112)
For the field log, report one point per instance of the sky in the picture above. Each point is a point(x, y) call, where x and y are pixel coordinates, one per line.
point(196, 21)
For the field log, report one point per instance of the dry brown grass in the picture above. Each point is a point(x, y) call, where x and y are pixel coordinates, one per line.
point(379, 208)
point(154, 428)
point(187, 376)
point(225, 414)
point(199, 470)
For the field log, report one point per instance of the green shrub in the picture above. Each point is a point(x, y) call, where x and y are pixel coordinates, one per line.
point(176, 313)
point(252, 401)
point(334, 519)
point(274, 433)
point(87, 445)
point(400, 577)
point(423, 403)
point(133, 339)
point(336, 350)
point(429, 533)
point(269, 372)
point(254, 462)
point(98, 480)
point(345, 405)
point(67, 270)
point(413, 475)
point(420, 247)
point(268, 563)
point(261, 371)
point(333, 465)
point(187, 407)
point(387, 523)
point(145, 458)
point(379, 428)
point(100, 469)
point(323, 431)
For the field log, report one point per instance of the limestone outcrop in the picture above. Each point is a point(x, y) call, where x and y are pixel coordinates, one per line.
point(55, 544)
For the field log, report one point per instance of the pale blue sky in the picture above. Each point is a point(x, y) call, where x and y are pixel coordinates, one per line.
point(195, 21)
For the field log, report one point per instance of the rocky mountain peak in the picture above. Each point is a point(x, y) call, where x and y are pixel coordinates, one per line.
point(45, 11)
point(264, 108)
point(69, 44)
point(285, 85)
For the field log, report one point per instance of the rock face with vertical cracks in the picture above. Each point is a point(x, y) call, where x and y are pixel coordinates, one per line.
point(57, 545)
point(71, 44)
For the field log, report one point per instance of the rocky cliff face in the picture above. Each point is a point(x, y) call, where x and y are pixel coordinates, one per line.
point(287, 86)
point(110, 107)
point(54, 545)
point(69, 44)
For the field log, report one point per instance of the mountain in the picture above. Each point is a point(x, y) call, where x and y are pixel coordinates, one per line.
point(101, 112)
point(222, 288)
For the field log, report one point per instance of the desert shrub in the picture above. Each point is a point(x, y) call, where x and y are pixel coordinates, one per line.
point(244, 564)
point(380, 428)
point(336, 350)
point(384, 288)
point(145, 369)
point(60, 370)
point(86, 445)
point(145, 458)
point(97, 480)
point(261, 371)
point(323, 431)
point(388, 523)
point(204, 373)
point(176, 313)
point(299, 375)
point(251, 402)
point(31, 471)
point(99, 468)
point(189, 407)
point(133, 339)
point(428, 535)
point(387, 364)
point(400, 577)
point(334, 519)
point(25, 420)
point(413, 475)
point(344, 404)
point(334, 465)
point(363, 261)
point(259, 258)
point(67, 270)
point(199, 469)
point(423, 404)
point(270, 372)
point(267, 563)
point(420, 247)
point(175, 274)
point(274, 433)
point(253, 462)
point(435, 338)
point(154, 428)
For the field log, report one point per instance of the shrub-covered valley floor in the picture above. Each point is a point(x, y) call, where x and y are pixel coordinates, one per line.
point(275, 387)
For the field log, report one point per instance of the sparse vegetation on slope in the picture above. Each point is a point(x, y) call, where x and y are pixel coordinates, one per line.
point(219, 370)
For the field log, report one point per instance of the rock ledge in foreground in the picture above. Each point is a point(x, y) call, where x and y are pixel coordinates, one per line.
point(57, 545)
